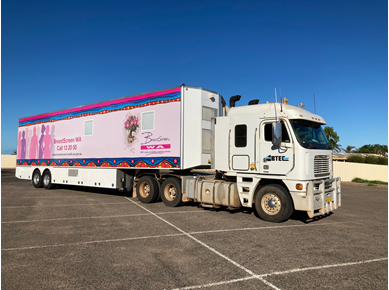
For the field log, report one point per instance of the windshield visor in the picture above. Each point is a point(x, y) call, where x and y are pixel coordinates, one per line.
point(310, 134)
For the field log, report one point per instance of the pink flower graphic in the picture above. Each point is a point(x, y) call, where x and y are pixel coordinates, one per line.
point(131, 125)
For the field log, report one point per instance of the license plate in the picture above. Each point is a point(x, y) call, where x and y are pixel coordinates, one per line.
point(328, 199)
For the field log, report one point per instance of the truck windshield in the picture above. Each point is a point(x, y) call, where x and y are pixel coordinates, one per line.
point(310, 134)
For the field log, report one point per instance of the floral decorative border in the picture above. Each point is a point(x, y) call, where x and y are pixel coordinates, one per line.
point(155, 162)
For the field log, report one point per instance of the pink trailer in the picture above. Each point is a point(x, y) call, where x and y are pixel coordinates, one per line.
point(109, 144)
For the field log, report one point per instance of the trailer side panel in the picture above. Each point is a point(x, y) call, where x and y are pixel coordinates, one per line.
point(140, 131)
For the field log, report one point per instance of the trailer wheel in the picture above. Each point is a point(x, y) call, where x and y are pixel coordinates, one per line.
point(46, 179)
point(273, 203)
point(36, 179)
point(171, 192)
point(147, 189)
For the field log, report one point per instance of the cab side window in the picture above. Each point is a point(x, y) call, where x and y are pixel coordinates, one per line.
point(268, 128)
point(240, 136)
point(268, 132)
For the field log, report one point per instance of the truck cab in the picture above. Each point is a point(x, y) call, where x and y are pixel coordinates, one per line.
point(298, 164)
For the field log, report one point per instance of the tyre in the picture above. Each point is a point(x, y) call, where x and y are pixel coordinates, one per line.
point(46, 180)
point(273, 203)
point(36, 179)
point(171, 193)
point(159, 192)
point(147, 189)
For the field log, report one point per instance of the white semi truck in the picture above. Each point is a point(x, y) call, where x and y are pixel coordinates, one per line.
point(273, 156)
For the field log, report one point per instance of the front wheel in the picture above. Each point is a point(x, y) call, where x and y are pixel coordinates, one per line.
point(171, 192)
point(273, 203)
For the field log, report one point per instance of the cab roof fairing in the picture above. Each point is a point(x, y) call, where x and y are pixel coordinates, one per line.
point(266, 111)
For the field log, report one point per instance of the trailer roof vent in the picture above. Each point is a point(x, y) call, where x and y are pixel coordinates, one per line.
point(253, 102)
point(233, 100)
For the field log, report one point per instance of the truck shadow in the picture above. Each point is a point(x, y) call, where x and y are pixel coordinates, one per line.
point(248, 211)
point(8, 172)
point(105, 191)
point(300, 216)
point(303, 217)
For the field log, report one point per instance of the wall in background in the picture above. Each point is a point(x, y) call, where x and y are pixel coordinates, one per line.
point(349, 170)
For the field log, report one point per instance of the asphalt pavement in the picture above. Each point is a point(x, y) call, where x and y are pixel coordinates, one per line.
point(84, 238)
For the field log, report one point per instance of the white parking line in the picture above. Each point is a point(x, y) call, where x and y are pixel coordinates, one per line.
point(75, 218)
point(206, 246)
point(263, 228)
point(90, 242)
point(158, 236)
point(323, 267)
point(216, 283)
point(280, 273)
point(190, 235)
point(228, 282)
point(58, 196)
point(24, 206)
point(151, 237)
point(99, 217)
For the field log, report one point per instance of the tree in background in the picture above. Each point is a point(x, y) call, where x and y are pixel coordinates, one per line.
point(349, 149)
point(373, 149)
point(384, 150)
point(333, 138)
point(364, 149)
point(370, 159)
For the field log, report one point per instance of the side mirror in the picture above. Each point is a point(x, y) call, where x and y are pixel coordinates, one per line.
point(277, 133)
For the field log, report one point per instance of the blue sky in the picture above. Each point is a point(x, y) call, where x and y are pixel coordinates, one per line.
point(63, 54)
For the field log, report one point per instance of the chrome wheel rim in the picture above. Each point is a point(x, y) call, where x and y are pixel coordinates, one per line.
point(36, 178)
point(271, 204)
point(46, 179)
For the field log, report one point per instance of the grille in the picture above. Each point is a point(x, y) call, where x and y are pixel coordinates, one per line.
point(322, 165)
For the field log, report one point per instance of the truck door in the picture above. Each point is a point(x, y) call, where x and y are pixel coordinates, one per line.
point(242, 146)
point(274, 160)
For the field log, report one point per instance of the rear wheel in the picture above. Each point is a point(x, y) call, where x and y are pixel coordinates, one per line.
point(147, 189)
point(171, 192)
point(36, 179)
point(273, 203)
point(46, 179)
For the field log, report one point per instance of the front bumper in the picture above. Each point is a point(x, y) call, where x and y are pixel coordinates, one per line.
point(324, 196)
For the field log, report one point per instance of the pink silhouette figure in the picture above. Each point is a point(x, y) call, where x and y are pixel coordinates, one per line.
point(23, 142)
point(34, 145)
point(47, 144)
point(27, 143)
point(19, 145)
point(41, 141)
